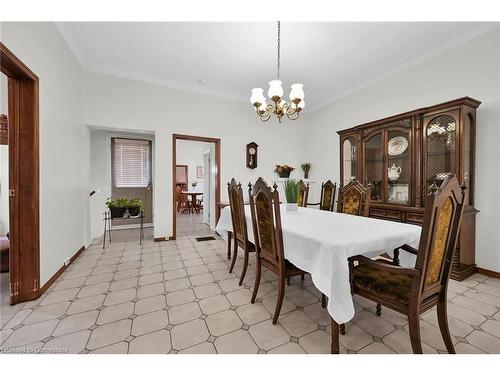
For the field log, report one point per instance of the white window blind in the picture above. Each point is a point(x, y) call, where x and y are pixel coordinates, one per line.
point(131, 163)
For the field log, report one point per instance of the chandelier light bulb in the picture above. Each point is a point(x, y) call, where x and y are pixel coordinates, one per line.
point(297, 91)
point(275, 89)
point(257, 96)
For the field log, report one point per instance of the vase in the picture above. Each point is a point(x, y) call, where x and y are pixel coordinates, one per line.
point(306, 175)
point(291, 207)
point(284, 174)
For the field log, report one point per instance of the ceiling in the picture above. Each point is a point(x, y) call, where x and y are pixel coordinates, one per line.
point(227, 59)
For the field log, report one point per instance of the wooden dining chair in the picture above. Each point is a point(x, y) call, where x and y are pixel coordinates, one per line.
point(327, 200)
point(354, 199)
point(303, 194)
point(268, 238)
point(413, 291)
point(183, 203)
point(239, 223)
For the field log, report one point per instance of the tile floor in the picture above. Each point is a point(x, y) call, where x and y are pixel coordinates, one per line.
point(178, 297)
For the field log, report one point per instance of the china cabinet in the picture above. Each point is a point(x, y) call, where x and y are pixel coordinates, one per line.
point(399, 157)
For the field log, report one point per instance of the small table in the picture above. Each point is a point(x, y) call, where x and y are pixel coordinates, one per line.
point(193, 195)
point(107, 226)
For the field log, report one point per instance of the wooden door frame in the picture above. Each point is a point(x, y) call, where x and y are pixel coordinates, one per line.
point(24, 205)
point(184, 137)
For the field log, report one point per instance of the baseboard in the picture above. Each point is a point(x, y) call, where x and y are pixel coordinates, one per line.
point(488, 272)
point(47, 285)
point(160, 239)
point(132, 226)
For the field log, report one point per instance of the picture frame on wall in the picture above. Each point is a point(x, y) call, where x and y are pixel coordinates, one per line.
point(199, 171)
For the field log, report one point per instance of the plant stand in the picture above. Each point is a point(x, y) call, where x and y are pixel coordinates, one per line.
point(107, 227)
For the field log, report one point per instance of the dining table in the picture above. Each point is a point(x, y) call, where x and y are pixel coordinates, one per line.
point(194, 198)
point(320, 243)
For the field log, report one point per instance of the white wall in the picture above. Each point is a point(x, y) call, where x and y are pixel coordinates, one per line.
point(64, 141)
point(472, 69)
point(4, 164)
point(190, 153)
point(119, 103)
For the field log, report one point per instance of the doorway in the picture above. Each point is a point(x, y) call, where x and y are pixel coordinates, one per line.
point(23, 180)
point(195, 182)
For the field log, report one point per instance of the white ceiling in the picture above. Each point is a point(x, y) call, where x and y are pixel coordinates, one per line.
point(330, 59)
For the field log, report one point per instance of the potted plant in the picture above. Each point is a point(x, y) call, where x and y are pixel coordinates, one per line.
point(134, 207)
point(117, 207)
point(306, 167)
point(291, 188)
point(283, 170)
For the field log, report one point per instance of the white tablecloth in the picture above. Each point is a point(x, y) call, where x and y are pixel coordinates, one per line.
point(319, 242)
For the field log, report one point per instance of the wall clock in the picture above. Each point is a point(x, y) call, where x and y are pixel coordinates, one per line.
point(252, 155)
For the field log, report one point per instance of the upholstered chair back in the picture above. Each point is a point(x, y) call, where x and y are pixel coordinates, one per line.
point(328, 191)
point(354, 199)
point(443, 214)
point(303, 194)
point(236, 203)
point(266, 222)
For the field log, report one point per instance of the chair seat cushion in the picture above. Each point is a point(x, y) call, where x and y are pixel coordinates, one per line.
point(387, 284)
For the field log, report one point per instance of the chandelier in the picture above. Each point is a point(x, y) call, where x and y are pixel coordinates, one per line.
point(278, 106)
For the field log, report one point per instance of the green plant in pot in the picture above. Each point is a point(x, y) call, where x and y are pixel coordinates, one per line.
point(306, 167)
point(283, 170)
point(117, 207)
point(291, 188)
point(134, 207)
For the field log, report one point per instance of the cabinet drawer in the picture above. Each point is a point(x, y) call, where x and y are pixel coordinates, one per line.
point(385, 214)
point(413, 217)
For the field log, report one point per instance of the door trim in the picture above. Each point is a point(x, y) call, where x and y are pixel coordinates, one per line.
point(24, 215)
point(195, 138)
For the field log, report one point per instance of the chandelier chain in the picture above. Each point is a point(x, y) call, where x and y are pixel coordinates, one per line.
point(279, 42)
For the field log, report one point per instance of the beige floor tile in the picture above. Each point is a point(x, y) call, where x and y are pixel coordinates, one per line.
point(457, 327)
point(178, 284)
point(148, 270)
point(237, 342)
point(109, 334)
point(488, 289)
point(229, 285)
point(317, 342)
point(17, 319)
point(252, 313)
point(268, 336)
point(223, 322)
point(60, 296)
point(173, 265)
point(486, 298)
point(373, 324)
point(286, 307)
point(399, 341)
point(123, 284)
point(297, 323)
point(183, 313)
point(203, 348)
point(153, 343)
point(465, 315)
point(288, 348)
point(175, 274)
point(474, 305)
point(150, 304)
point(484, 341)
point(69, 284)
point(196, 270)
point(376, 348)
point(239, 297)
point(86, 304)
point(31, 333)
point(150, 322)
point(151, 278)
point(492, 327)
point(77, 322)
point(463, 348)
point(73, 343)
point(125, 274)
point(201, 279)
point(150, 290)
point(120, 296)
point(222, 275)
point(118, 348)
point(180, 297)
point(193, 262)
point(432, 335)
point(301, 297)
point(101, 278)
point(214, 304)
point(217, 266)
point(355, 338)
point(93, 290)
point(47, 312)
point(116, 312)
point(393, 317)
point(207, 290)
point(319, 314)
point(189, 334)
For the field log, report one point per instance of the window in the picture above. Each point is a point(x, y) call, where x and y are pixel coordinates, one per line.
point(131, 163)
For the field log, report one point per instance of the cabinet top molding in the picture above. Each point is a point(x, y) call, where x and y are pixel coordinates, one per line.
point(417, 112)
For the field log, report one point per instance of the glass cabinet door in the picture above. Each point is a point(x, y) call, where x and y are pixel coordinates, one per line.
point(440, 146)
point(398, 166)
point(349, 159)
point(374, 165)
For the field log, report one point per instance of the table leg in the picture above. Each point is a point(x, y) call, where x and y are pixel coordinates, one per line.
point(141, 231)
point(229, 235)
point(104, 236)
point(335, 337)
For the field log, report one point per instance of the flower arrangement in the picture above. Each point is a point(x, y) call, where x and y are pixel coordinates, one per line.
point(283, 170)
point(306, 167)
